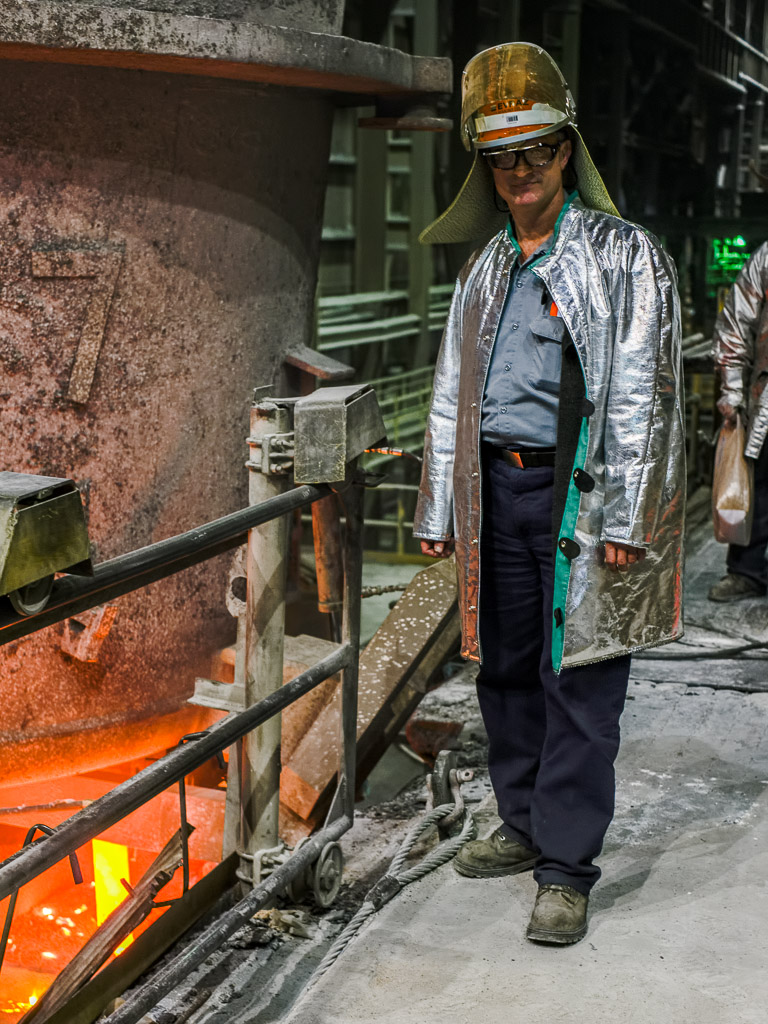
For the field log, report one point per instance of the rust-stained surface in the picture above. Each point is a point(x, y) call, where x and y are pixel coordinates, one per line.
point(329, 551)
point(158, 248)
point(293, 42)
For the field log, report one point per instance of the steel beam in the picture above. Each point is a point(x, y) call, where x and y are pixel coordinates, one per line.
point(266, 561)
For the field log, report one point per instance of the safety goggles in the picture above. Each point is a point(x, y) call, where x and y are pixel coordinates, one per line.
point(540, 155)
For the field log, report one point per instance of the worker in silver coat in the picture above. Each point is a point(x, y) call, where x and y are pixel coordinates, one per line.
point(565, 501)
point(741, 359)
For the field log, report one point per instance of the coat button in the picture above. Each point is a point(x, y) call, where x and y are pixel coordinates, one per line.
point(475, 474)
point(474, 405)
point(473, 607)
point(474, 540)
point(584, 482)
point(569, 547)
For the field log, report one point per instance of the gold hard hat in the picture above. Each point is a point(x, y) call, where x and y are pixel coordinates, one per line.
point(510, 93)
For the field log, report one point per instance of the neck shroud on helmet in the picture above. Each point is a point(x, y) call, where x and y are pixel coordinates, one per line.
point(509, 94)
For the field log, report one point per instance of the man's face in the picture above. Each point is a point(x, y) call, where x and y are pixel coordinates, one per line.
point(527, 187)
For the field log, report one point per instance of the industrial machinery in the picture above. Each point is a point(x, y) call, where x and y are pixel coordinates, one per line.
point(159, 240)
point(42, 532)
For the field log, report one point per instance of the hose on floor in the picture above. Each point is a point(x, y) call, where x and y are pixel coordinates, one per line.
point(708, 653)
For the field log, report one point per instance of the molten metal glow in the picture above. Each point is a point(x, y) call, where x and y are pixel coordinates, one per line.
point(110, 864)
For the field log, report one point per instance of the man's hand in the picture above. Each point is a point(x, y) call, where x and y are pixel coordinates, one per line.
point(727, 411)
point(619, 557)
point(438, 548)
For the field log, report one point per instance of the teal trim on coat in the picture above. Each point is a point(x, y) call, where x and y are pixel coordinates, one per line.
point(563, 564)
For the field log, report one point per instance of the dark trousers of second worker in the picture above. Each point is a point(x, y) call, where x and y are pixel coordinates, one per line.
point(553, 738)
point(749, 560)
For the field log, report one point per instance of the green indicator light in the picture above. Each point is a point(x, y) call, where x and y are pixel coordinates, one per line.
point(727, 257)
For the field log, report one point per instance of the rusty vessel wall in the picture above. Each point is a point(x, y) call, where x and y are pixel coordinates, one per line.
point(310, 15)
point(158, 252)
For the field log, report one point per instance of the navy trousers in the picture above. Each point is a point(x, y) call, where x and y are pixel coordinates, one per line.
point(750, 559)
point(553, 738)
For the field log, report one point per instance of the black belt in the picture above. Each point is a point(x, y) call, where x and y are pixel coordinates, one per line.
point(522, 458)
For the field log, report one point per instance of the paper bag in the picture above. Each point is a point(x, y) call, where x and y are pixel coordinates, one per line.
point(732, 486)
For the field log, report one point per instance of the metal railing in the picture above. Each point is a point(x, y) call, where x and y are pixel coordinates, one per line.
point(133, 571)
point(355, 321)
point(118, 576)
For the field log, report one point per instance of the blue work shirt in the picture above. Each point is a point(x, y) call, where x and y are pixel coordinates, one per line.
point(522, 388)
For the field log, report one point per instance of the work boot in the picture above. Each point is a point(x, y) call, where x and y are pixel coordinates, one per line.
point(559, 916)
point(496, 855)
point(734, 587)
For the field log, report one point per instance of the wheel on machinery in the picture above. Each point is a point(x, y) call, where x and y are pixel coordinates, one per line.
point(326, 875)
point(32, 598)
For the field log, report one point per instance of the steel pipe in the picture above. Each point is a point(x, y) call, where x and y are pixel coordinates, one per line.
point(134, 1008)
point(73, 594)
point(131, 794)
point(352, 501)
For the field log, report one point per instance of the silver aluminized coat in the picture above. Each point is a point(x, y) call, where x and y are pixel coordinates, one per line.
point(615, 288)
point(741, 347)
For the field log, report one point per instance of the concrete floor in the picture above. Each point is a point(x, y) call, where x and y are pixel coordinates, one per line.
point(679, 922)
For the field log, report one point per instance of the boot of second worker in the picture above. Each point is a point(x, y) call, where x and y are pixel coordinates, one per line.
point(553, 739)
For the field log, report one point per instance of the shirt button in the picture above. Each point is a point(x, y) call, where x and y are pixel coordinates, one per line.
point(515, 326)
point(474, 405)
point(507, 366)
point(475, 474)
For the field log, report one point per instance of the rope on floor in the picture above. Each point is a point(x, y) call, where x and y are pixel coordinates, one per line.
point(396, 879)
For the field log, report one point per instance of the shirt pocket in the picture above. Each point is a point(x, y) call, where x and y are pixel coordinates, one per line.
point(546, 365)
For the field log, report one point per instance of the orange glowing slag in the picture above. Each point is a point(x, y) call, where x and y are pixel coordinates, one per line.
point(110, 864)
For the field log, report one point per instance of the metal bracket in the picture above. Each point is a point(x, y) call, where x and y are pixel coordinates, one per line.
point(77, 875)
point(277, 454)
point(185, 828)
point(412, 113)
point(265, 861)
point(443, 787)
